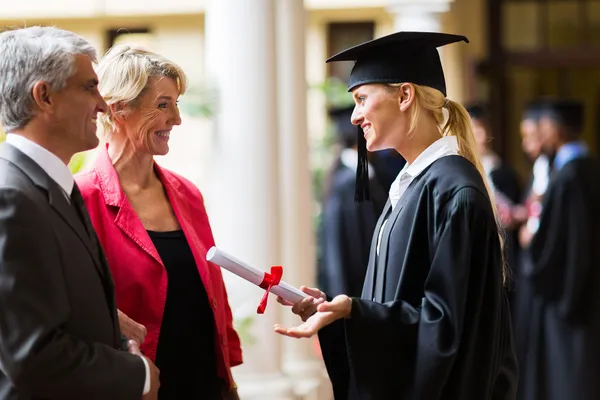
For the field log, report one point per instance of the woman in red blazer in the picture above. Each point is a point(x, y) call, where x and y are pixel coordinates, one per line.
point(155, 231)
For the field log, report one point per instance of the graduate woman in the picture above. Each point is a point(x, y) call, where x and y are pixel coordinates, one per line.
point(433, 320)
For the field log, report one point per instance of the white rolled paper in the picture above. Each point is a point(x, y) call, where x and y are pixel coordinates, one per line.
point(252, 274)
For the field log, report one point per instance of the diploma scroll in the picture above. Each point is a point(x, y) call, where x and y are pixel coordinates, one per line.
point(254, 275)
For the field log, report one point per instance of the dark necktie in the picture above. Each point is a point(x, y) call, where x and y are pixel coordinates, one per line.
point(79, 205)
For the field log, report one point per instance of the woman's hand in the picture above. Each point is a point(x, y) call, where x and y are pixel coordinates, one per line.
point(327, 312)
point(131, 329)
point(307, 306)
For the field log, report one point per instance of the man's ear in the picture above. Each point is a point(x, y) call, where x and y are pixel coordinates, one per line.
point(406, 96)
point(42, 95)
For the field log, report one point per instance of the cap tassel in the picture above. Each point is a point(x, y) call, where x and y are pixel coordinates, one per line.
point(362, 170)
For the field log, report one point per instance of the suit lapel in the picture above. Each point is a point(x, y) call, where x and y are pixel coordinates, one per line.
point(65, 210)
point(369, 286)
point(57, 198)
point(383, 249)
point(126, 219)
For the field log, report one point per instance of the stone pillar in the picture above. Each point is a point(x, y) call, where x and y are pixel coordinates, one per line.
point(418, 15)
point(243, 191)
point(296, 222)
point(432, 16)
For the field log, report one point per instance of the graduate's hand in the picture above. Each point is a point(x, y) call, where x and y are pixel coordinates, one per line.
point(307, 306)
point(525, 236)
point(327, 313)
point(519, 214)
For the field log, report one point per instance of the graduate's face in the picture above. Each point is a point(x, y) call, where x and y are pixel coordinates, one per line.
point(378, 113)
point(530, 139)
point(481, 136)
point(149, 124)
point(550, 137)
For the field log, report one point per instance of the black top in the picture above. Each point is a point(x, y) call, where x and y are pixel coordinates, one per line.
point(186, 346)
point(433, 321)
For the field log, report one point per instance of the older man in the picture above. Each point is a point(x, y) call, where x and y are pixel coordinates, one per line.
point(59, 335)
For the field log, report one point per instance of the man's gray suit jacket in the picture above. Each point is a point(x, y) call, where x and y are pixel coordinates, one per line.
point(59, 333)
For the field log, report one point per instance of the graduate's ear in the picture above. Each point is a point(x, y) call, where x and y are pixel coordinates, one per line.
point(119, 112)
point(406, 96)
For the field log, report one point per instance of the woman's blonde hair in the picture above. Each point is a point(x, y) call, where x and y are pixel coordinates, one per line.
point(459, 125)
point(124, 73)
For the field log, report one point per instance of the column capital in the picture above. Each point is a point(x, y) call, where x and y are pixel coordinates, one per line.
point(419, 6)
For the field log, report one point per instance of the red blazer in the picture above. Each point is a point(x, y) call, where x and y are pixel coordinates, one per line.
point(138, 272)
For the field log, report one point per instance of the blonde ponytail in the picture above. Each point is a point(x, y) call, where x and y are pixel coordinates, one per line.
point(459, 125)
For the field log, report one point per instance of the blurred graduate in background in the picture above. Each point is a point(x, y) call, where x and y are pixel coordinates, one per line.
point(347, 226)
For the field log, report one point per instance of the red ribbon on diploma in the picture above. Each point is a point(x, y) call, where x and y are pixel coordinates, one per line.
point(270, 280)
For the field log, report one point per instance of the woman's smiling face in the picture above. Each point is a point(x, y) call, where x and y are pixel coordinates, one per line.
point(378, 113)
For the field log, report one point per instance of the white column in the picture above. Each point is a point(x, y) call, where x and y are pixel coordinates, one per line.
point(243, 202)
point(418, 15)
point(298, 244)
point(427, 16)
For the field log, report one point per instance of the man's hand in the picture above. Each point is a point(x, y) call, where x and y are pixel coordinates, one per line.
point(133, 348)
point(327, 312)
point(131, 329)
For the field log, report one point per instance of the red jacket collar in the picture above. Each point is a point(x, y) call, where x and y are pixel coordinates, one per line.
point(109, 179)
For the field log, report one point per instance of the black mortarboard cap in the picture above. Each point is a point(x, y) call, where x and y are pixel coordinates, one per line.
point(353, 135)
point(533, 110)
point(568, 113)
point(402, 57)
point(398, 58)
point(477, 111)
point(342, 120)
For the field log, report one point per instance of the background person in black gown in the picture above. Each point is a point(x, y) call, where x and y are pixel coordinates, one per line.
point(563, 360)
point(502, 179)
point(347, 226)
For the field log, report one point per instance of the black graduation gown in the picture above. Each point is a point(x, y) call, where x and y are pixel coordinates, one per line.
point(433, 321)
point(387, 165)
point(346, 232)
point(506, 182)
point(563, 361)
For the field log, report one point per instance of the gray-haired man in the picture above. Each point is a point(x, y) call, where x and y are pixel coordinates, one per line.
point(59, 334)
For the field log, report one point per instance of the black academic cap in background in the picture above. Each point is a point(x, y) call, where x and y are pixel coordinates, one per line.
point(402, 57)
point(568, 113)
point(344, 130)
point(477, 111)
point(533, 110)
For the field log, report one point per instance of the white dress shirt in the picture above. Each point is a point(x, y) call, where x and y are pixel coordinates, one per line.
point(445, 146)
point(541, 175)
point(49, 162)
point(61, 174)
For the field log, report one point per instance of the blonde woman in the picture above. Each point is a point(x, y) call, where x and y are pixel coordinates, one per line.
point(154, 229)
point(433, 320)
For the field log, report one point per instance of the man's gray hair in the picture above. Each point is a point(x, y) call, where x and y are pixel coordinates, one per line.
point(30, 55)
